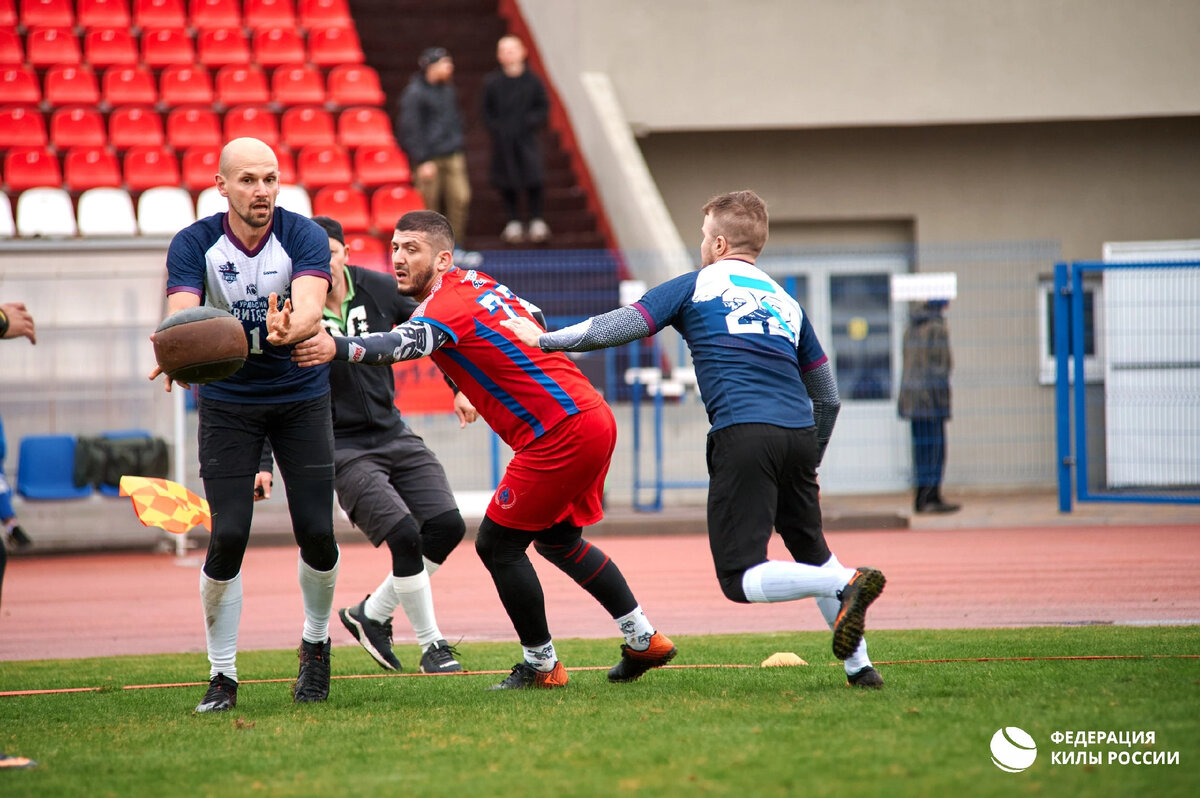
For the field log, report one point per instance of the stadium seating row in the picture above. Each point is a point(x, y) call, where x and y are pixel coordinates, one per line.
point(191, 126)
point(44, 47)
point(176, 13)
point(164, 210)
point(189, 84)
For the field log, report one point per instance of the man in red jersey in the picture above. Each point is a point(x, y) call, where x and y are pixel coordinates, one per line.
point(560, 429)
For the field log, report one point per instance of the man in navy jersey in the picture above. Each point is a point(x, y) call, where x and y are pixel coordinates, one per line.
point(254, 257)
point(771, 400)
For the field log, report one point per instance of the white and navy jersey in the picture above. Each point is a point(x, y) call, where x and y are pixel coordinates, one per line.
point(207, 259)
point(749, 340)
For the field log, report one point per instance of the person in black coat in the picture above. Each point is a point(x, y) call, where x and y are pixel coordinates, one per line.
point(514, 111)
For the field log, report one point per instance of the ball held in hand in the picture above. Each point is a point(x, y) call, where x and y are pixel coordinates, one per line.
point(199, 345)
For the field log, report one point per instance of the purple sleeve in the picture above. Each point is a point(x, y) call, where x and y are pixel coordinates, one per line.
point(660, 306)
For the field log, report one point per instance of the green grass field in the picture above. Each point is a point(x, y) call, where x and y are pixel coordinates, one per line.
point(678, 731)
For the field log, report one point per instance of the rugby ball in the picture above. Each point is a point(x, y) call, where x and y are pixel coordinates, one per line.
point(199, 345)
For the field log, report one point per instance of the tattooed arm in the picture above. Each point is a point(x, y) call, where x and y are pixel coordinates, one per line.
point(408, 341)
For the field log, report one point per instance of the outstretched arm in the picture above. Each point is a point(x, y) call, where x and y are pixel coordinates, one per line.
point(408, 341)
point(614, 328)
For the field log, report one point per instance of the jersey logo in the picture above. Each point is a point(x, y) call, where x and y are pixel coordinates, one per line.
point(357, 353)
point(229, 272)
point(506, 497)
point(474, 279)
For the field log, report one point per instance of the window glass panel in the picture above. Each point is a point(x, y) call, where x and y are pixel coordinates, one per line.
point(861, 325)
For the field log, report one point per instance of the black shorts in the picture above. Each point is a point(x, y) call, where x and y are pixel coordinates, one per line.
point(232, 435)
point(761, 477)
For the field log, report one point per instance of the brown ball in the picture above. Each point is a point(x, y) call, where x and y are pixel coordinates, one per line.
point(199, 345)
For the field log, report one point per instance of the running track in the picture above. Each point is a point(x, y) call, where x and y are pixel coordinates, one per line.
point(114, 604)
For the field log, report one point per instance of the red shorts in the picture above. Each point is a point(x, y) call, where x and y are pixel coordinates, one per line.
point(560, 476)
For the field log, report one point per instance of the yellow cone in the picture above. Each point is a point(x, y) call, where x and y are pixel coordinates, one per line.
point(782, 659)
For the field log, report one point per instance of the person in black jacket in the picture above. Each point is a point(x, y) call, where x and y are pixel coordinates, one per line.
point(430, 130)
point(388, 481)
point(514, 110)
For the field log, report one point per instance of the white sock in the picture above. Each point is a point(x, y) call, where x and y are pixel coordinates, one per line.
point(382, 603)
point(430, 565)
point(416, 598)
point(541, 658)
point(316, 588)
point(636, 628)
point(222, 614)
point(830, 607)
point(776, 580)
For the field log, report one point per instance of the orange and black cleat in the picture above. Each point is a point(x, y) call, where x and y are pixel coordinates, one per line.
point(863, 588)
point(634, 663)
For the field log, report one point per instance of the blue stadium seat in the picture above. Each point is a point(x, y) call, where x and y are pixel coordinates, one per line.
point(46, 468)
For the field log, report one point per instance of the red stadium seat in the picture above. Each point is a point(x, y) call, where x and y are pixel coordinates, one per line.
point(193, 127)
point(254, 121)
point(45, 47)
point(355, 84)
point(129, 85)
point(297, 84)
point(369, 252)
point(305, 126)
point(165, 46)
point(268, 13)
point(103, 14)
point(324, 13)
point(346, 204)
point(215, 14)
point(71, 84)
point(389, 203)
point(30, 167)
point(183, 84)
point(200, 165)
point(323, 166)
point(221, 46)
point(363, 125)
point(55, 13)
point(11, 50)
point(377, 164)
point(287, 166)
point(159, 14)
point(77, 126)
point(8, 13)
point(278, 46)
point(110, 47)
point(329, 47)
point(147, 167)
point(133, 125)
point(242, 84)
point(90, 167)
point(22, 126)
point(20, 84)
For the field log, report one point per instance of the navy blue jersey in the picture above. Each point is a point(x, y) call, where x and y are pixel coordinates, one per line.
point(207, 259)
point(749, 340)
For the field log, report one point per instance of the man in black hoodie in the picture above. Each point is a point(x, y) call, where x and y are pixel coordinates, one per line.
point(431, 133)
point(388, 481)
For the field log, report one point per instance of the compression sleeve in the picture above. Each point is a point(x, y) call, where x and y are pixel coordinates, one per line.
point(822, 389)
point(614, 328)
point(411, 340)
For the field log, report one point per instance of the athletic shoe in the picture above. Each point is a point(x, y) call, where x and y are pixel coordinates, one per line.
point(312, 683)
point(634, 663)
point(525, 675)
point(374, 636)
point(19, 538)
point(440, 658)
point(221, 695)
point(15, 762)
point(539, 231)
point(868, 677)
point(513, 232)
point(863, 588)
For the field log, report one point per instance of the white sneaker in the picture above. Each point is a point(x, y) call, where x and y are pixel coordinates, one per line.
point(513, 233)
point(539, 231)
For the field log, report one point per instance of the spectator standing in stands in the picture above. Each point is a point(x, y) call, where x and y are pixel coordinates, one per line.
point(388, 481)
point(925, 401)
point(15, 322)
point(514, 110)
point(431, 133)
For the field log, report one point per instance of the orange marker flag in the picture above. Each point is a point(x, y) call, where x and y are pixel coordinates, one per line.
point(166, 504)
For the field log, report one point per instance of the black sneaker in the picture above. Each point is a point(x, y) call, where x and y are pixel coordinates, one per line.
point(312, 683)
point(440, 658)
point(867, 678)
point(525, 675)
point(863, 588)
point(373, 636)
point(634, 663)
point(20, 539)
point(221, 695)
